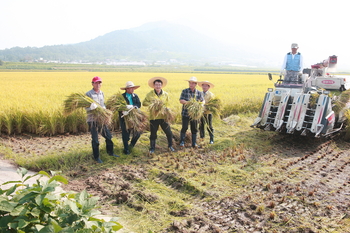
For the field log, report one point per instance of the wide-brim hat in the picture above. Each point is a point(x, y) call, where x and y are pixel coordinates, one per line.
point(151, 81)
point(129, 84)
point(192, 79)
point(206, 82)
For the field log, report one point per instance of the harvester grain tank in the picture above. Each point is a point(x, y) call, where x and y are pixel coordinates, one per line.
point(320, 75)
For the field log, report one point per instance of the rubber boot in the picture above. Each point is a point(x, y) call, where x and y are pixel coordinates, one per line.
point(126, 148)
point(211, 140)
point(194, 141)
point(201, 133)
point(109, 148)
point(152, 146)
point(96, 152)
point(182, 139)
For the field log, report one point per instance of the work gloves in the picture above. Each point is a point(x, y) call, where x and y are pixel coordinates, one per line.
point(93, 106)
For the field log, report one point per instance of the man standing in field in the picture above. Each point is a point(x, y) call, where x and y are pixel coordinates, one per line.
point(158, 119)
point(207, 116)
point(132, 101)
point(97, 95)
point(186, 95)
point(292, 65)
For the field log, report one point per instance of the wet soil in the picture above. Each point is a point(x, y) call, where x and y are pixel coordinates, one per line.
point(306, 186)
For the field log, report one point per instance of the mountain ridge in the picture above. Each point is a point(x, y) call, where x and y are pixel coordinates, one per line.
point(150, 42)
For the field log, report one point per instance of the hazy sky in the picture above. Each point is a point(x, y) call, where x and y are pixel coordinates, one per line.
point(320, 27)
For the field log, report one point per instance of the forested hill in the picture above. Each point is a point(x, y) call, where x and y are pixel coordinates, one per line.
point(150, 42)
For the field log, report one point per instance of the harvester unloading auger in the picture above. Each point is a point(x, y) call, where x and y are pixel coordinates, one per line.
point(302, 108)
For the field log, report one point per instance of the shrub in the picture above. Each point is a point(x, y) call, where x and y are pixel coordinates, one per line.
point(41, 208)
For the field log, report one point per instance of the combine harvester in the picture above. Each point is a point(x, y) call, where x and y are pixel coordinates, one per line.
point(320, 76)
point(302, 108)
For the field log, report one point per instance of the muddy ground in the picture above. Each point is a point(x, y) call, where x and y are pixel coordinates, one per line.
point(306, 186)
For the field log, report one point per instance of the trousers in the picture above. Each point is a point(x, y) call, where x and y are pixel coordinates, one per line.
point(94, 129)
point(154, 125)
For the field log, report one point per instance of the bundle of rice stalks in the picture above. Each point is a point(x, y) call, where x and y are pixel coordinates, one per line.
point(195, 109)
point(75, 101)
point(157, 108)
point(136, 120)
point(341, 102)
point(214, 106)
point(79, 100)
point(116, 103)
point(170, 116)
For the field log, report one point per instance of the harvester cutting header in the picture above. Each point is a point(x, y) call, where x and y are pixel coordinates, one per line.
point(301, 106)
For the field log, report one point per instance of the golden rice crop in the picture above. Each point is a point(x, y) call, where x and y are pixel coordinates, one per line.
point(34, 96)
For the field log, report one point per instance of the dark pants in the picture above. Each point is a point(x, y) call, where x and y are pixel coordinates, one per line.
point(154, 125)
point(193, 125)
point(94, 129)
point(291, 77)
point(206, 119)
point(126, 135)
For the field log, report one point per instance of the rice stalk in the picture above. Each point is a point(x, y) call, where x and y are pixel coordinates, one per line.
point(33, 121)
point(75, 101)
point(79, 100)
point(347, 128)
point(341, 101)
point(8, 122)
point(195, 109)
point(18, 121)
point(158, 108)
point(170, 116)
point(136, 120)
point(214, 106)
point(116, 103)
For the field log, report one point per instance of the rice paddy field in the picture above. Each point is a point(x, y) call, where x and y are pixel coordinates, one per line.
point(249, 180)
point(33, 101)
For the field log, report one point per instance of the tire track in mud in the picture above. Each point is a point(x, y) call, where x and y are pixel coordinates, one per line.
point(306, 194)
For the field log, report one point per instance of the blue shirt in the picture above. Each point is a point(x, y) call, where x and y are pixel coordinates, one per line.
point(129, 96)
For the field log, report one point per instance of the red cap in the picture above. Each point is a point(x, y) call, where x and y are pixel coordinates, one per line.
point(96, 79)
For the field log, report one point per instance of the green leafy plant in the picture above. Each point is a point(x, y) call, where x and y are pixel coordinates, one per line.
point(42, 208)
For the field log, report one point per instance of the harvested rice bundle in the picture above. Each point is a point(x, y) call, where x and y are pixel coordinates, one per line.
point(194, 108)
point(213, 106)
point(341, 102)
point(79, 100)
point(158, 108)
point(136, 120)
point(116, 103)
point(75, 101)
point(170, 116)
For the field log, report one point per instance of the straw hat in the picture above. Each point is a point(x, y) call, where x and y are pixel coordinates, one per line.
point(129, 84)
point(151, 81)
point(193, 79)
point(206, 82)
